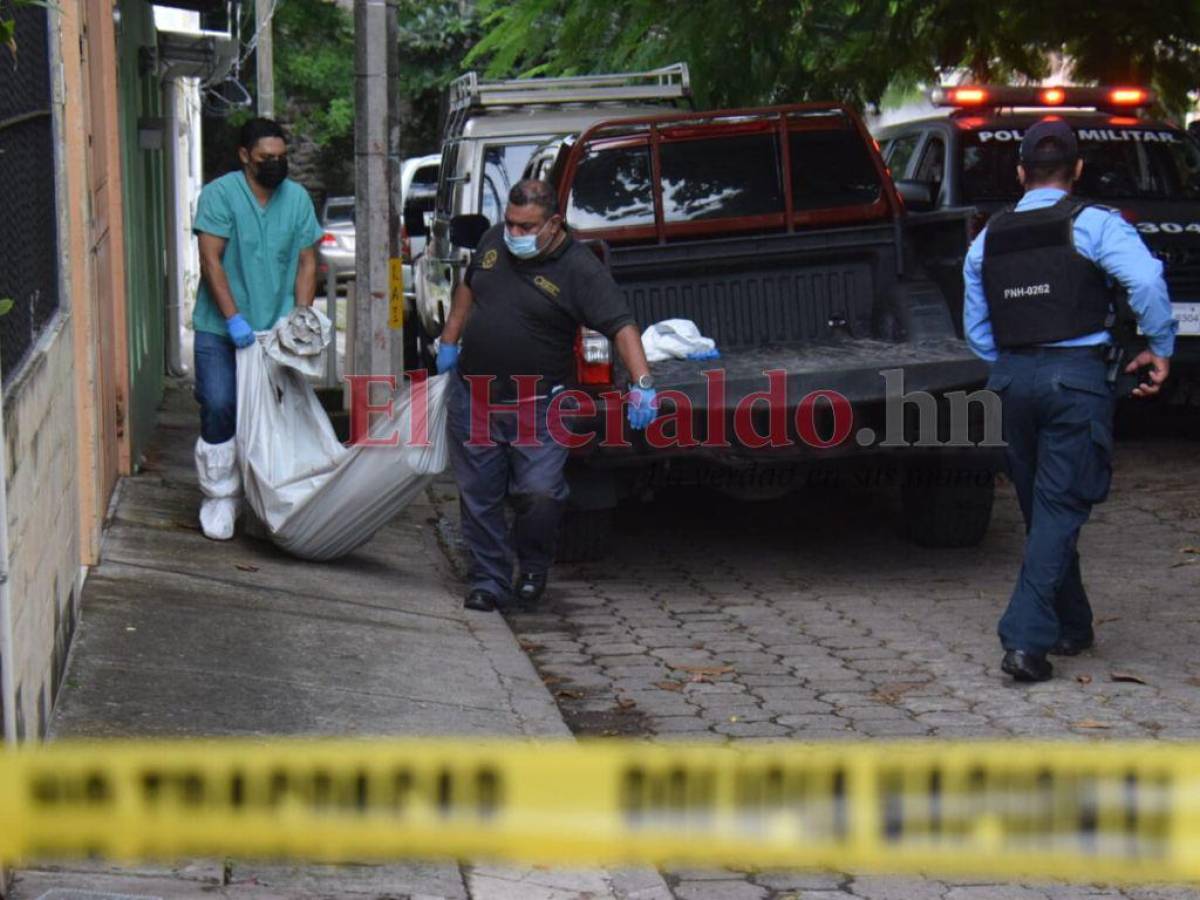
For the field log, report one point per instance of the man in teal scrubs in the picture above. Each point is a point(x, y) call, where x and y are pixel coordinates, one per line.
point(257, 232)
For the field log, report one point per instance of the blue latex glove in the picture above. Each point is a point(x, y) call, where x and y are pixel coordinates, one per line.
point(643, 407)
point(447, 358)
point(714, 353)
point(239, 330)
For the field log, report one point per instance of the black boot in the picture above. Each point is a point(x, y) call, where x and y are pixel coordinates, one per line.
point(480, 600)
point(1026, 666)
point(1067, 646)
point(529, 589)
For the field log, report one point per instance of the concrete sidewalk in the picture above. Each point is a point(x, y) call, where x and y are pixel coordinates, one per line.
point(180, 636)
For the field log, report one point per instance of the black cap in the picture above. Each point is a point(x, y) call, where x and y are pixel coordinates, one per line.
point(1064, 149)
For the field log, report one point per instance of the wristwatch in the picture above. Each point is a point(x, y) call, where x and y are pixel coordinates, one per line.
point(645, 383)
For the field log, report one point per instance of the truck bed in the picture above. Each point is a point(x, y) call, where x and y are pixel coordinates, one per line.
point(749, 292)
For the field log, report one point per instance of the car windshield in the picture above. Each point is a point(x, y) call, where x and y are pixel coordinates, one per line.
point(1143, 163)
point(502, 168)
point(339, 214)
point(427, 174)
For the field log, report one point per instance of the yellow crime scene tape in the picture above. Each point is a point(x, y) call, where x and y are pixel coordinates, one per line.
point(1086, 812)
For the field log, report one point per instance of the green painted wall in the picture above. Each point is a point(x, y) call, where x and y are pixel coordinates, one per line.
point(144, 197)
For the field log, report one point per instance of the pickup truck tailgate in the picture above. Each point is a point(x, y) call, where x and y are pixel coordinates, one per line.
point(850, 366)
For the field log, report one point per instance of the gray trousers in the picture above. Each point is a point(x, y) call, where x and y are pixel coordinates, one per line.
point(500, 471)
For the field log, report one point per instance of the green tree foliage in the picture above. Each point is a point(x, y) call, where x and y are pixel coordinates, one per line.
point(434, 37)
point(769, 51)
point(314, 71)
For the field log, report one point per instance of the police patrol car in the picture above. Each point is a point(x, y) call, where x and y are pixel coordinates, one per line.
point(1148, 170)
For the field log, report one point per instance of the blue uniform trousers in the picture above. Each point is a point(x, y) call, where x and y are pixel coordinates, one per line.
point(529, 478)
point(1058, 411)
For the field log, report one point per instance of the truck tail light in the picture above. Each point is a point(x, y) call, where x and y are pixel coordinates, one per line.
point(593, 357)
point(328, 240)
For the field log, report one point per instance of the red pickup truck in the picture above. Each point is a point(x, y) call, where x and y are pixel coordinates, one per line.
point(779, 232)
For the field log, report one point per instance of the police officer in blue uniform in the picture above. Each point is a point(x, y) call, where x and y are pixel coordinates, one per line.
point(1041, 282)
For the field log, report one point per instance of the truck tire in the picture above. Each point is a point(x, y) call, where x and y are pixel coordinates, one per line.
point(584, 534)
point(947, 505)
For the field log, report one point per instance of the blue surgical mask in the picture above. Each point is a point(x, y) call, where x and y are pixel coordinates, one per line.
point(522, 247)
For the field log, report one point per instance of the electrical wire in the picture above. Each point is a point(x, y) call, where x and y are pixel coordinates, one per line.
point(253, 44)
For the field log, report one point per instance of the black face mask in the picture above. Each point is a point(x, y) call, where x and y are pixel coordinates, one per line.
point(271, 172)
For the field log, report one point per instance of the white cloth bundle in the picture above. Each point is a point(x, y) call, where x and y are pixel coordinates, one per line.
point(676, 339)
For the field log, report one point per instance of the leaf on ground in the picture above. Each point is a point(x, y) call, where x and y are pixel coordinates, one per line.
point(705, 670)
point(676, 686)
point(1090, 723)
point(530, 647)
point(1182, 563)
point(1194, 681)
point(626, 703)
point(1189, 549)
point(1128, 677)
point(246, 567)
point(891, 693)
point(699, 645)
point(551, 679)
point(1084, 679)
point(569, 695)
point(1106, 619)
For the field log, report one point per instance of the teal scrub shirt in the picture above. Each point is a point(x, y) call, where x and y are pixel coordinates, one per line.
point(262, 250)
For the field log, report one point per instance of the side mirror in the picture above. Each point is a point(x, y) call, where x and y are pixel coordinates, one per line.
point(414, 221)
point(466, 230)
point(918, 195)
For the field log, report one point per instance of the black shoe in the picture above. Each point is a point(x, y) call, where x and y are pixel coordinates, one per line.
point(1026, 666)
point(529, 589)
point(480, 600)
point(1073, 646)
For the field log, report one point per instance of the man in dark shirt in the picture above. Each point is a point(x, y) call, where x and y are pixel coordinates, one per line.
point(528, 288)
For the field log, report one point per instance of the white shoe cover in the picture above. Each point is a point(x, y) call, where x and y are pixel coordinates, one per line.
point(221, 482)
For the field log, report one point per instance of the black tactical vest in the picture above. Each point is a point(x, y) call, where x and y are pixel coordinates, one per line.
point(1039, 288)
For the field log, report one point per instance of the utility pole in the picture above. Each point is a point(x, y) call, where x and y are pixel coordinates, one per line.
point(264, 56)
point(396, 322)
point(369, 350)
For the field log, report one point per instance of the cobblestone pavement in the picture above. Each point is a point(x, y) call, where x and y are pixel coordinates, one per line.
point(809, 618)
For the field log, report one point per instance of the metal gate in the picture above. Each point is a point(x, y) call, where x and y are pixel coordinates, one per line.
point(28, 223)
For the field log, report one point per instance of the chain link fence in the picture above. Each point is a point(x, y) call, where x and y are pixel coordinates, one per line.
point(28, 211)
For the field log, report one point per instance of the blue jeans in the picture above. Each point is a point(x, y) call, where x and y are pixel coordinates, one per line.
point(1058, 411)
point(216, 386)
point(529, 478)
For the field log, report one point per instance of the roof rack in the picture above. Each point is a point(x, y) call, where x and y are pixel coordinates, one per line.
point(668, 83)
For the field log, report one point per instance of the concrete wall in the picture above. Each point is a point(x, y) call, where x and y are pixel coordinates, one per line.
point(40, 478)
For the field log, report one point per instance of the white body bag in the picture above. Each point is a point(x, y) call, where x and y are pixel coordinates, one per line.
point(317, 498)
